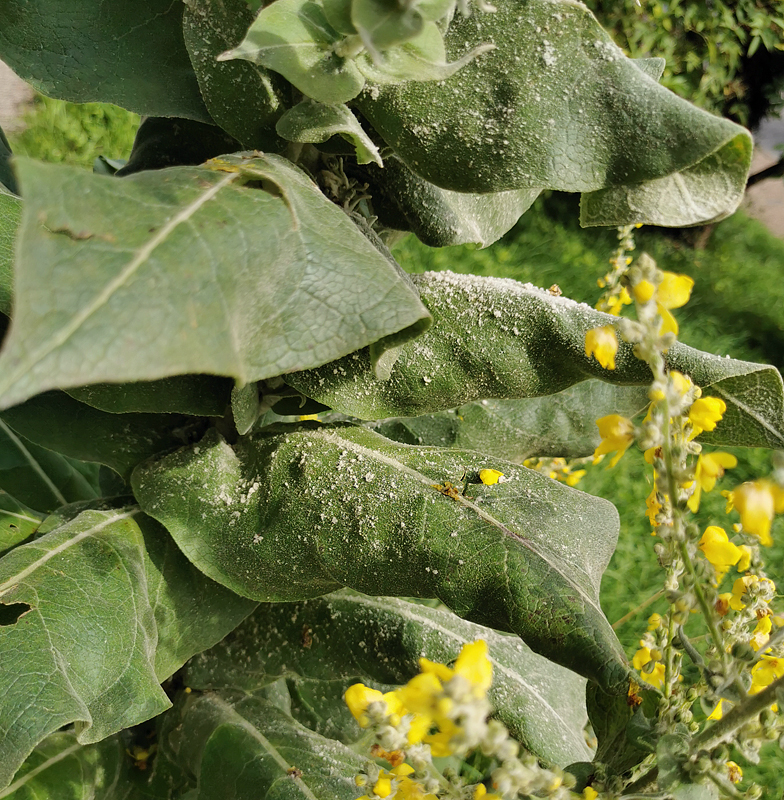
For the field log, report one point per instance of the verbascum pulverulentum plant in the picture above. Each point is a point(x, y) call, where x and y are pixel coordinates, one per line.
point(249, 462)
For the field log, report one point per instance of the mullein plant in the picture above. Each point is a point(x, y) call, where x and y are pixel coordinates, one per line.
point(735, 680)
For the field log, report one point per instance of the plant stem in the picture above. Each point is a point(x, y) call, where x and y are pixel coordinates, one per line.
point(746, 711)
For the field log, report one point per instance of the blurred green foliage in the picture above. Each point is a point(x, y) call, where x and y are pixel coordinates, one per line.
point(710, 48)
point(70, 133)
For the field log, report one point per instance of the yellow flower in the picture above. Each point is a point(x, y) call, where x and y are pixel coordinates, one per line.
point(641, 657)
point(740, 587)
point(654, 622)
point(717, 712)
point(673, 292)
point(681, 383)
point(761, 634)
point(358, 697)
point(653, 507)
point(705, 413)
point(617, 434)
point(757, 502)
point(589, 793)
point(474, 665)
point(710, 467)
point(719, 550)
point(656, 676)
point(745, 559)
point(490, 476)
point(603, 344)
point(764, 672)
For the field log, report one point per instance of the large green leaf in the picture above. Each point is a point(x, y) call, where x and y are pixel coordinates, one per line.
point(187, 270)
point(59, 422)
point(114, 608)
point(41, 478)
point(17, 522)
point(62, 769)
point(200, 395)
point(311, 121)
point(129, 54)
point(244, 99)
point(293, 515)
point(562, 424)
point(706, 192)
point(497, 338)
point(351, 637)
point(244, 748)
point(10, 218)
point(439, 217)
point(555, 105)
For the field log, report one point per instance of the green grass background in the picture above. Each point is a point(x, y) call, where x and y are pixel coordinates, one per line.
point(737, 308)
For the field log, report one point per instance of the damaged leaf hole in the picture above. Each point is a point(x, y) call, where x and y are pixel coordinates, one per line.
point(9, 614)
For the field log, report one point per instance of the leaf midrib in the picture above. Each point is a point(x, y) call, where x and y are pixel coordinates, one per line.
point(142, 255)
point(397, 465)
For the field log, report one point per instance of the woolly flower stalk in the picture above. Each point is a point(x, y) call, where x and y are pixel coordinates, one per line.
point(443, 711)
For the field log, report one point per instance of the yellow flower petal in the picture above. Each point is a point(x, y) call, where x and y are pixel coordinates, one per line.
point(441, 671)
point(668, 323)
point(490, 476)
point(641, 658)
point(705, 413)
point(755, 503)
point(674, 290)
point(717, 712)
point(617, 434)
point(745, 559)
point(761, 634)
point(473, 664)
point(358, 697)
point(603, 345)
point(643, 291)
point(719, 550)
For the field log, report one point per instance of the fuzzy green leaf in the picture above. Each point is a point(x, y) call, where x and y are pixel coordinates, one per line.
point(58, 422)
point(404, 201)
point(114, 608)
point(62, 769)
point(294, 515)
point(40, 478)
point(294, 38)
point(136, 48)
point(243, 748)
point(601, 121)
point(562, 424)
point(707, 192)
point(17, 522)
point(10, 218)
point(199, 395)
point(497, 338)
point(311, 121)
point(350, 637)
point(244, 99)
point(276, 280)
